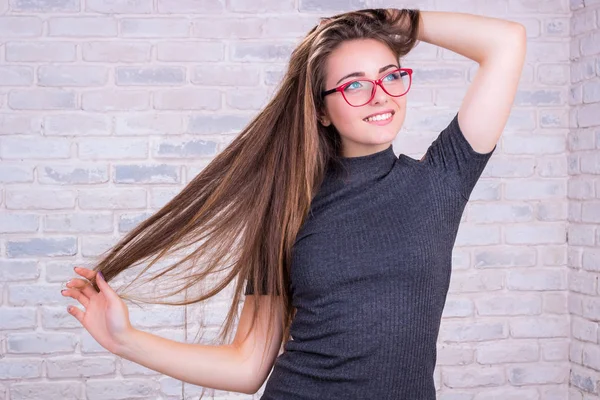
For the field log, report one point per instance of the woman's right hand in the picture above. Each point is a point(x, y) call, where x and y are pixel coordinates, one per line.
point(106, 316)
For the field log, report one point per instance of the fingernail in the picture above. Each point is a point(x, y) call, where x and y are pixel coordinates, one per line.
point(101, 276)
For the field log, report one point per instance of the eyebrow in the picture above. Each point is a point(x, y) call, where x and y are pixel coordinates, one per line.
point(363, 74)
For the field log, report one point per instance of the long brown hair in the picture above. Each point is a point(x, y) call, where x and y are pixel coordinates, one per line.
point(240, 215)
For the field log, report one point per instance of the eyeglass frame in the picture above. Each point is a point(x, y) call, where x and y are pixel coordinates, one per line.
point(376, 82)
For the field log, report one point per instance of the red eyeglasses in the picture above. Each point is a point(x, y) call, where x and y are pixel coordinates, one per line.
point(361, 91)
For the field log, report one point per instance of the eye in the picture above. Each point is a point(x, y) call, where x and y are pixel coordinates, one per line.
point(353, 85)
point(393, 76)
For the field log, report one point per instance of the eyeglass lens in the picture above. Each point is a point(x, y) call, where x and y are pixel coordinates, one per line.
point(359, 92)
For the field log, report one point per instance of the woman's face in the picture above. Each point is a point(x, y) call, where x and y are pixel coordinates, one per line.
point(360, 137)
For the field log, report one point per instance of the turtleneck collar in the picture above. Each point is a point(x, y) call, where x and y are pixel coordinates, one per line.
point(371, 165)
point(367, 168)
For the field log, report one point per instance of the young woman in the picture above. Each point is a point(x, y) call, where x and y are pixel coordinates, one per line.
point(346, 248)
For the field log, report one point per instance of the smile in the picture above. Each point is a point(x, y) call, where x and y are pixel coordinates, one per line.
point(380, 119)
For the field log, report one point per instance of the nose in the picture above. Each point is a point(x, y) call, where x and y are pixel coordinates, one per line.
point(380, 96)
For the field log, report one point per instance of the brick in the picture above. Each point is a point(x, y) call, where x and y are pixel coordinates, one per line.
point(582, 70)
point(505, 257)
point(555, 350)
point(535, 234)
point(581, 139)
point(40, 199)
point(534, 189)
point(58, 317)
point(116, 52)
point(473, 376)
point(187, 99)
point(261, 6)
point(457, 308)
point(191, 6)
point(42, 247)
point(591, 260)
point(16, 173)
point(12, 124)
point(18, 270)
point(538, 374)
point(177, 148)
point(541, 280)
point(481, 281)
point(72, 75)
point(227, 28)
point(99, 389)
point(507, 352)
point(507, 393)
point(121, 198)
point(42, 99)
point(294, 26)
point(508, 305)
point(82, 26)
point(549, 118)
point(584, 330)
point(590, 212)
point(474, 235)
point(157, 173)
point(226, 75)
point(247, 99)
point(582, 282)
point(541, 97)
point(18, 318)
point(129, 221)
point(14, 26)
point(590, 44)
point(161, 196)
point(67, 174)
point(551, 166)
point(547, 52)
point(45, 5)
point(16, 76)
point(539, 327)
point(584, 379)
point(454, 354)
point(486, 190)
point(119, 7)
point(18, 223)
point(581, 235)
point(79, 222)
point(113, 148)
point(591, 356)
point(67, 124)
point(553, 74)
point(40, 343)
point(552, 212)
point(62, 270)
point(190, 51)
point(149, 124)
point(80, 367)
point(453, 331)
point(157, 317)
point(554, 256)
point(500, 213)
point(94, 246)
point(590, 163)
point(45, 51)
point(222, 123)
point(125, 76)
point(261, 51)
point(115, 100)
point(31, 147)
point(154, 27)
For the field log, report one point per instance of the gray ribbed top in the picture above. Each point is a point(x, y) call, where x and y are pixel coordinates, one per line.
point(370, 272)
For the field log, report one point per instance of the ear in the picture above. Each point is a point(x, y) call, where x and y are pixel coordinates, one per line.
point(323, 119)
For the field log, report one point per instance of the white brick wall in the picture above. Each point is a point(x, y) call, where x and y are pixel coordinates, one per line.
point(108, 108)
point(583, 195)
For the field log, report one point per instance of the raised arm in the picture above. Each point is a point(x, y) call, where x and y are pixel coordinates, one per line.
point(499, 47)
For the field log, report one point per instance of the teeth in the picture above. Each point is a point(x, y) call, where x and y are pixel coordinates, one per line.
point(380, 117)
